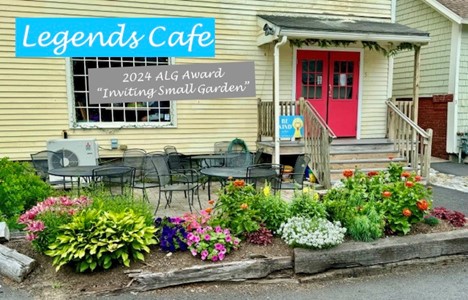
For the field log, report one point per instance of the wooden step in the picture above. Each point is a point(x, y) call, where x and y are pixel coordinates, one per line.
point(363, 145)
point(371, 154)
point(365, 163)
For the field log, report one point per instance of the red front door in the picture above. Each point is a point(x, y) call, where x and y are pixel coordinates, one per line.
point(330, 82)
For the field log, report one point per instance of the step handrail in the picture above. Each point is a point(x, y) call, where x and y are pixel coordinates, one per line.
point(317, 142)
point(411, 141)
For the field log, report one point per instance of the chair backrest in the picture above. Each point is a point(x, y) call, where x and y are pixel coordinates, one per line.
point(260, 174)
point(115, 176)
point(170, 149)
point(135, 158)
point(221, 147)
point(162, 168)
point(40, 161)
point(299, 168)
point(238, 160)
point(258, 156)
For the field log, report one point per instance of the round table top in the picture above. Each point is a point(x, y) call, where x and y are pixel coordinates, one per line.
point(79, 171)
point(213, 156)
point(239, 173)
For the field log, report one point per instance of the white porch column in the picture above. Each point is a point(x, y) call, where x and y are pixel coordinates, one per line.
point(416, 81)
point(276, 99)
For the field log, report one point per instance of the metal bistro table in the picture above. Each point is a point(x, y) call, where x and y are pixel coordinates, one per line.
point(210, 158)
point(235, 173)
point(74, 172)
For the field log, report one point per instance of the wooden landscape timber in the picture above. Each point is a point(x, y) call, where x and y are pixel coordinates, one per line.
point(15, 265)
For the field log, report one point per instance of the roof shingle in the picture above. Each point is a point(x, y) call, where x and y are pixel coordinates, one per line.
point(460, 7)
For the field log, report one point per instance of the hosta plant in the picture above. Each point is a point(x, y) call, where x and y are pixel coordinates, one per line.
point(210, 243)
point(97, 239)
point(312, 233)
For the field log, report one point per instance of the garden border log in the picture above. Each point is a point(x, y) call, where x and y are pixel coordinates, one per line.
point(15, 265)
point(232, 271)
point(389, 250)
point(4, 232)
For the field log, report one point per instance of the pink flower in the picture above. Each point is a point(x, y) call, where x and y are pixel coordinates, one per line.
point(190, 236)
point(200, 230)
point(218, 229)
point(194, 252)
point(221, 256)
point(228, 238)
point(204, 253)
point(207, 237)
point(226, 231)
point(219, 246)
point(196, 239)
point(30, 236)
point(214, 258)
point(236, 241)
point(36, 226)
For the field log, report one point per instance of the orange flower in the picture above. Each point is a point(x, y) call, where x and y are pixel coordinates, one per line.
point(348, 173)
point(244, 206)
point(211, 202)
point(386, 194)
point(417, 178)
point(405, 174)
point(391, 157)
point(372, 173)
point(239, 182)
point(409, 184)
point(422, 204)
point(209, 210)
point(406, 212)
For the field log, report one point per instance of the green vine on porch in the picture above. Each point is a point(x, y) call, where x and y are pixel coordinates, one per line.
point(391, 50)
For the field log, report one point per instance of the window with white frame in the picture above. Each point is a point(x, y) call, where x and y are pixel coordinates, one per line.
point(118, 114)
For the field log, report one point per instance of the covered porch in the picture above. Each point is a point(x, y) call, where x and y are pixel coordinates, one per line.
point(324, 100)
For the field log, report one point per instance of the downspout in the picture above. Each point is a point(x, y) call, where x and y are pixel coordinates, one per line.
point(276, 95)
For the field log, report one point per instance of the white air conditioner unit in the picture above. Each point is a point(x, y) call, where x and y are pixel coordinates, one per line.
point(81, 152)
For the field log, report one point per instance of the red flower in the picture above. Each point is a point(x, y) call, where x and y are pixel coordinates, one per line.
point(372, 173)
point(239, 182)
point(417, 178)
point(386, 194)
point(348, 173)
point(409, 184)
point(406, 212)
point(405, 174)
point(422, 204)
point(211, 202)
point(209, 210)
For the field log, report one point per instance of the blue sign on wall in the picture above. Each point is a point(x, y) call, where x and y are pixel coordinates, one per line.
point(291, 127)
point(119, 37)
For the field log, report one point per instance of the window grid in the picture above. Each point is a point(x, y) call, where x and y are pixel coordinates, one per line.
point(133, 113)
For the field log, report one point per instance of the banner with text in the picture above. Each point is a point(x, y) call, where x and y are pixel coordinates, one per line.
point(115, 37)
point(173, 82)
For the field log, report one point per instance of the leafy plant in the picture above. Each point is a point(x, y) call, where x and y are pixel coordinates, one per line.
point(193, 221)
point(171, 234)
point(20, 189)
point(312, 233)
point(97, 239)
point(211, 243)
point(307, 204)
point(366, 225)
point(431, 220)
point(262, 237)
point(272, 209)
point(43, 220)
point(455, 218)
point(234, 210)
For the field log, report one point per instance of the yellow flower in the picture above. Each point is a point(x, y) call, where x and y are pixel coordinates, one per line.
point(306, 190)
point(266, 190)
point(316, 197)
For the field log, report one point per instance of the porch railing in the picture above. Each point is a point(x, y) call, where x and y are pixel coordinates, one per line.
point(266, 116)
point(412, 142)
point(317, 139)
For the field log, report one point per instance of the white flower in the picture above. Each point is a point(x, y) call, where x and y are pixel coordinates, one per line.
point(312, 233)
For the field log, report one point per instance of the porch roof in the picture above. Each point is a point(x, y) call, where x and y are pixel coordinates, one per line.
point(337, 29)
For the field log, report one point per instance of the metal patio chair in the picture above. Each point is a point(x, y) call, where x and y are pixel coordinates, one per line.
point(298, 176)
point(261, 174)
point(41, 161)
point(115, 179)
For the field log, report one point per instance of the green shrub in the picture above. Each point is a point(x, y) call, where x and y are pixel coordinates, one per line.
point(272, 209)
point(20, 189)
point(234, 209)
point(366, 225)
point(307, 204)
point(97, 239)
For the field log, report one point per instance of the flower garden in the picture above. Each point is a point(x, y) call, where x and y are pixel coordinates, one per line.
point(97, 231)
